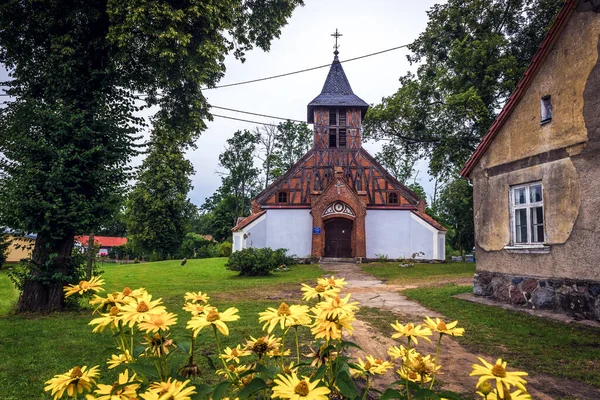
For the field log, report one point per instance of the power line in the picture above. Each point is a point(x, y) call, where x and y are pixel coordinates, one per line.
point(243, 120)
point(258, 115)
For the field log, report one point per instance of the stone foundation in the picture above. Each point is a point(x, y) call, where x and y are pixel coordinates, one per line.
point(580, 299)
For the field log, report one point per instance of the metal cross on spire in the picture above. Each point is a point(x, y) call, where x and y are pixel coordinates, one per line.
point(336, 35)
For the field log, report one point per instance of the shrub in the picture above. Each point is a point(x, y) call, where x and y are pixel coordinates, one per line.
point(258, 262)
point(224, 249)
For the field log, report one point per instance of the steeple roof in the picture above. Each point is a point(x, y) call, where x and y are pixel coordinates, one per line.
point(336, 92)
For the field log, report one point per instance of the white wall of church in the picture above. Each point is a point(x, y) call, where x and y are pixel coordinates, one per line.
point(400, 233)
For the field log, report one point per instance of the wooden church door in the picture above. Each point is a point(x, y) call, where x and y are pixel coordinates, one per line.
point(338, 238)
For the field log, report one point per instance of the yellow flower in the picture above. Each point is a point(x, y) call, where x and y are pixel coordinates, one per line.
point(291, 387)
point(441, 327)
point(331, 328)
point(94, 284)
point(319, 356)
point(234, 370)
point(116, 360)
point(197, 297)
point(123, 389)
point(169, 390)
point(235, 353)
point(285, 315)
point(215, 318)
point(140, 308)
point(411, 331)
point(110, 318)
point(424, 367)
point(158, 321)
point(106, 303)
point(263, 345)
point(372, 366)
point(158, 344)
point(401, 352)
point(334, 307)
point(516, 395)
point(76, 380)
point(197, 308)
point(318, 291)
point(331, 282)
point(498, 373)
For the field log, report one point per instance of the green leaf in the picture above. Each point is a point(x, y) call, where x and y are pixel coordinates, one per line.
point(254, 386)
point(211, 363)
point(446, 394)
point(268, 371)
point(345, 384)
point(220, 390)
point(184, 346)
point(345, 344)
point(321, 371)
point(203, 389)
point(138, 350)
point(426, 394)
point(391, 394)
point(147, 371)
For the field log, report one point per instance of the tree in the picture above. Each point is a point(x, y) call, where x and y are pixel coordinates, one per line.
point(470, 57)
point(455, 208)
point(397, 160)
point(240, 175)
point(266, 135)
point(4, 244)
point(292, 141)
point(158, 209)
point(76, 68)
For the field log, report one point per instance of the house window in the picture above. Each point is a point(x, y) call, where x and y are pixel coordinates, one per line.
point(282, 197)
point(527, 210)
point(393, 198)
point(546, 104)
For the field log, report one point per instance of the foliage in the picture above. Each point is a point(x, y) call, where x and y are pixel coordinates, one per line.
point(266, 137)
point(470, 57)
point(455, 209)
point(195, 246)
point(292, 141)
point(224, 249)
point(115, 225)
point(158, 209)
point(76, 71)
point(398, 160)
point(125, 251)
point(4, 244)
point(258, 262)
point(218, 214)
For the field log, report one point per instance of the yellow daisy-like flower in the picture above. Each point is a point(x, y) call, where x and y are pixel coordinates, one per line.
point(94, 284)
point(331, 328)
point(215, 318)
point(440, 326)
point(233, 369)
point(106, 303)
point(156, 322)
point(425, 367)
point(291, 387)
point(318, 291)
point(411, 331)
point(401, 352)
point(140, 308)
point(285, 315)
point(331, 282)
point(123, 389)
point(197, 308)
point(197, 297)
point(411, 375)
point(263, 345)
point(116, 360)
point(111, 318)
point(234, 354)
point(372, 366)
point(76, 380)
point(334, 307)
point(498, 373)
point(169, 390)
point(516, 395)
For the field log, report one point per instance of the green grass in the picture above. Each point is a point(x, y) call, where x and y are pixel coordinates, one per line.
point(33, 348)
point(527, 342)
point(420, 273)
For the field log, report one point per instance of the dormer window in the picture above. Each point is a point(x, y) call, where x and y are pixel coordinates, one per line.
point(546, 105)
point(393, 198)
point(282, 197)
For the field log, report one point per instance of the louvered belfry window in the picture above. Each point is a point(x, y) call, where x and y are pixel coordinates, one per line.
point(337, 130)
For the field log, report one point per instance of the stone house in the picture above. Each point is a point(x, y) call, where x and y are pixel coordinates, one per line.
point(337, 200)
point(536, 177)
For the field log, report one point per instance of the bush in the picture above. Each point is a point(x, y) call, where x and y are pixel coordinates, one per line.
point(195, 246)
point(224, 249)
point(258, 262)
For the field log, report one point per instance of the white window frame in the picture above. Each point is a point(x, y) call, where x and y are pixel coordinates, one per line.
point(528, 206)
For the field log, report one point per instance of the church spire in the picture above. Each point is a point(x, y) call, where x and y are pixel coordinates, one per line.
point(336, 35)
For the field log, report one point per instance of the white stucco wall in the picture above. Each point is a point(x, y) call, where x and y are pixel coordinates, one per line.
point(400, 233)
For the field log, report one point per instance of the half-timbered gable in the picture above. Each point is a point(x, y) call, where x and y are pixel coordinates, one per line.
point(329, 203)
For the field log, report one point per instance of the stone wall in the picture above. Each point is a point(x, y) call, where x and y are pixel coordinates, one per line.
point(578, 298)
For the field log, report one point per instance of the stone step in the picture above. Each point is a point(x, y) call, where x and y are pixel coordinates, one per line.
point(337, 260)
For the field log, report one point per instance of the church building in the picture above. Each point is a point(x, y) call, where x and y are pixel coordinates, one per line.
point(337, 200)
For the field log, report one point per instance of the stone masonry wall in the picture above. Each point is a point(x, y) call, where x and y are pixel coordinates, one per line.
point(580, 299)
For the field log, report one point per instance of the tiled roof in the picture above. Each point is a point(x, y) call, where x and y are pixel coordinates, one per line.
point(336, 92)
point(246, 221)
point(530, 73)
point(429, 220)
point(103, 241)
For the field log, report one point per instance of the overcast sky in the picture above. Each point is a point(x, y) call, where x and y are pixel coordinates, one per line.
point(366, 26)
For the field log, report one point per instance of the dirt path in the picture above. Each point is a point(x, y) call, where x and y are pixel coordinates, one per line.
point(456, 360)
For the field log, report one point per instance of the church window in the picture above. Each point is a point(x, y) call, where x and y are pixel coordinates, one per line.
point(342, 117)
point(342, 139)
point(317, 183)
point(546, 105)
point(332, 117)
point(393, 198)
point(282, 197)
point(358, 183)
point(332, 138)
point(527, 214)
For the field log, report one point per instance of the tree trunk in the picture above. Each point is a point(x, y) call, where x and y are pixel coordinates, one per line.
point(38, 295)
point(91, 255)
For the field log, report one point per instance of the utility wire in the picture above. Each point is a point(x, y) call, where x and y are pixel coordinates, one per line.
point(258, 115)
point(243, 120)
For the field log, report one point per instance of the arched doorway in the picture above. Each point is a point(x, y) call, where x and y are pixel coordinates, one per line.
point(338, 237)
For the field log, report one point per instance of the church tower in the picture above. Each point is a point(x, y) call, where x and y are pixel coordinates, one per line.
point(337, 200)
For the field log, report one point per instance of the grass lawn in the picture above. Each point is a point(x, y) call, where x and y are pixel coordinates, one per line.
point(33, 348)
point(420, 273)
point(528, 343)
